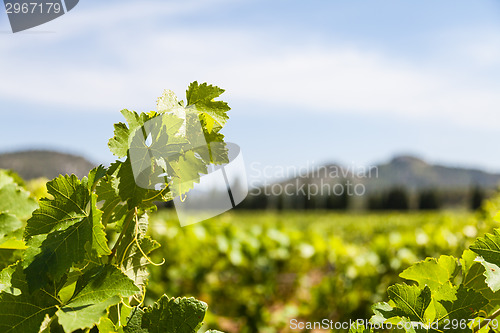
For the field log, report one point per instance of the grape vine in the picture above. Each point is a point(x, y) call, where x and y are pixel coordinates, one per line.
point(77, 260)
point(446, 293)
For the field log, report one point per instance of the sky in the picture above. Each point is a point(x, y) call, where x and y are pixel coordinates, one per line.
point(309, 82)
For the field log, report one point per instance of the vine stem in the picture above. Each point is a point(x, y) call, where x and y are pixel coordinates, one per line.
point(491, 316)
point(128, 219)
point(136, 239)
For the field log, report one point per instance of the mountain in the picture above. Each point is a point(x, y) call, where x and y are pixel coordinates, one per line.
point(416, 174)
point(404, 171)
point(404, 182)
point(44, 163)
point(401, 171)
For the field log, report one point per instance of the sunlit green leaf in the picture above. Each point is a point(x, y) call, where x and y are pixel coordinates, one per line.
point(179, 315)
point(95, 292)
point(436, 274)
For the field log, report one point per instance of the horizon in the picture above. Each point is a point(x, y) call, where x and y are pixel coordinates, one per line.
point(286, 172)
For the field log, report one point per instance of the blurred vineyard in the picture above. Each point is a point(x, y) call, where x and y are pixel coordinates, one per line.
point(258, 270)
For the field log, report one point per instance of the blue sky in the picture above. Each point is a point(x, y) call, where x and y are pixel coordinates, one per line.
point(308, 81)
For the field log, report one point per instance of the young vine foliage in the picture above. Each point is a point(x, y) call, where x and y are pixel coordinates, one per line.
point(77, 261)
point(446, 294)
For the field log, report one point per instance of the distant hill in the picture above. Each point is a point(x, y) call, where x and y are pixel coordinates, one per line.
point(408, 172)
point(416, 174)
point(412, 181)
point(402, 171)
point(43, 163)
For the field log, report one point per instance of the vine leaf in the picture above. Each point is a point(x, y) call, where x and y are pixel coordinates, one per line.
point(180, 148)
point(68, 207)
point(128, 190)
point(96, 290)
point(6, 277)
point(13, 280)
point(187, 172)
point(113, 211)
point(8, 224)
point(120, 143)
point(168, 102)
point(135, 321)
point(9, 177)
point(214, 113)
point(474, 277)
point(94, 176)
point(180, 315)
point(467, 304)
point(492, 274)
point(57, 253)
point(60, 229)
point(100, 283)
point(410, 301)
point(408, 306)
point(436, 274)
point(99, 240)
point(14, 200)
point(488, 247)
point(83, 317)
point(382, 312)
point(25, 313)
point(122, 140)
point(153, 146)
point(15, 207)
point(106, 326)
point(217, 148)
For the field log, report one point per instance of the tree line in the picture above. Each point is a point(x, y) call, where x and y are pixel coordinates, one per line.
point(396, 198)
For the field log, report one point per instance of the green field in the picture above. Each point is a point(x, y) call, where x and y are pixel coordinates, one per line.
point(259, 270)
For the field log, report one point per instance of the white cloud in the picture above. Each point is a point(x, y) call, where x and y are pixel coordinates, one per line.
point(252, 64)
point(349, 80)
point(479, 45)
